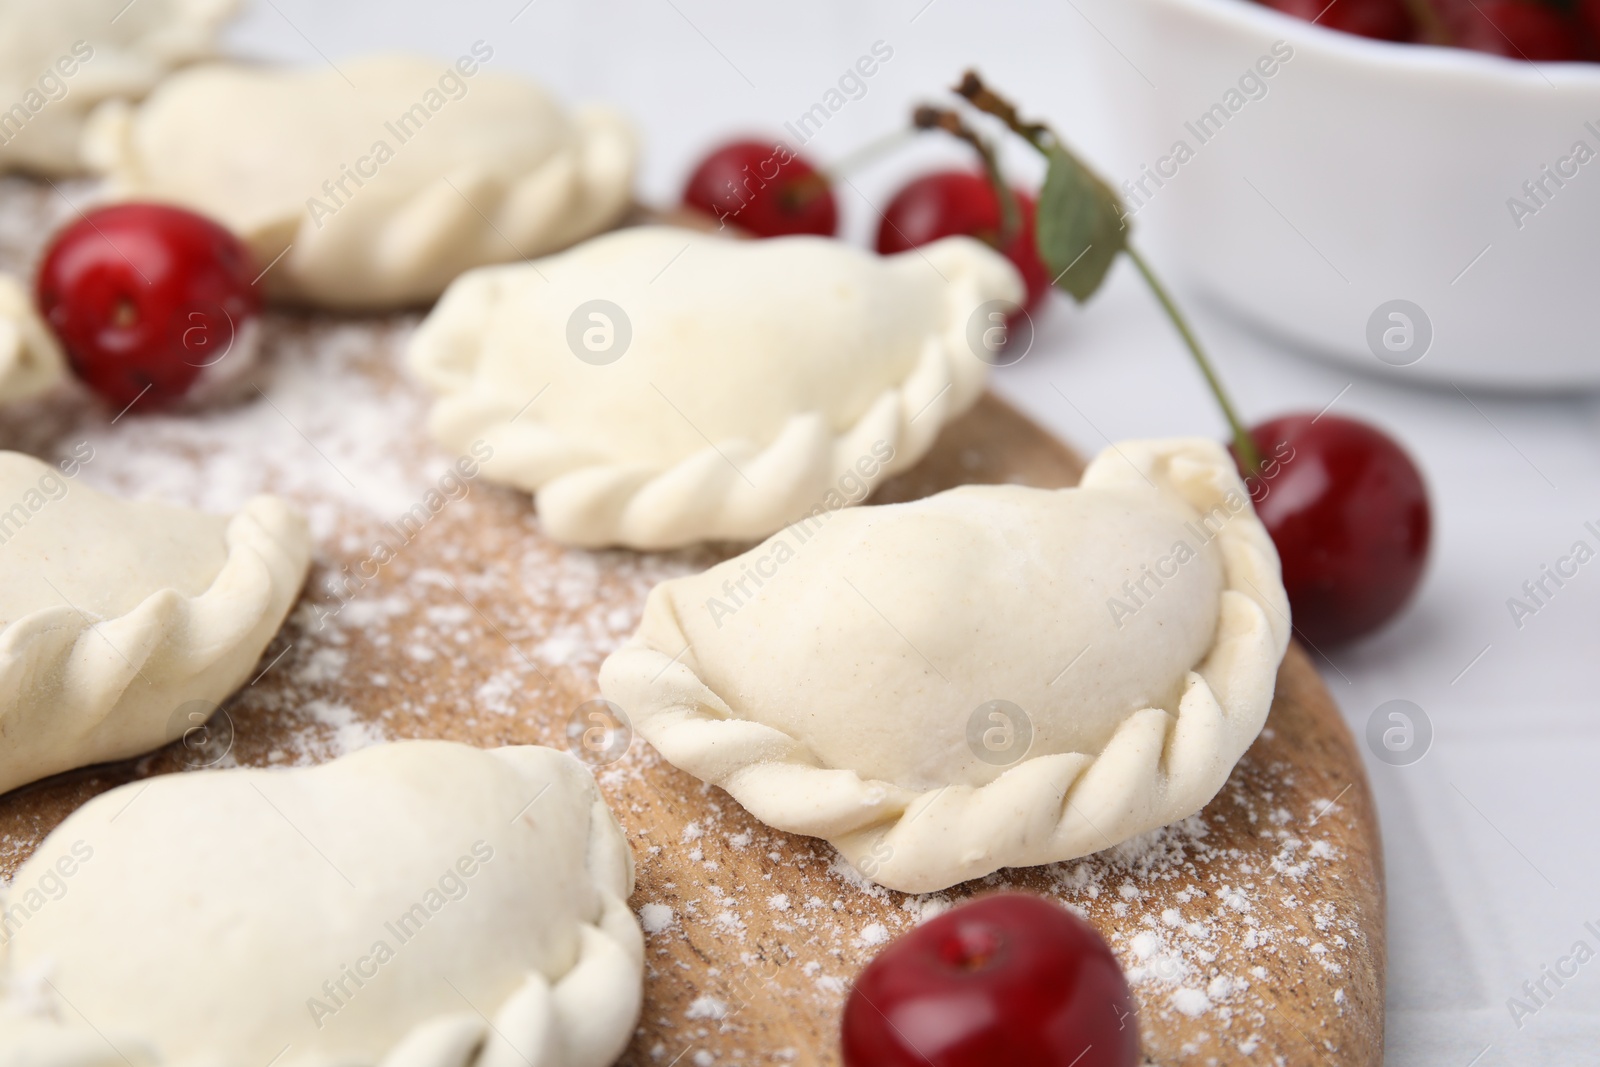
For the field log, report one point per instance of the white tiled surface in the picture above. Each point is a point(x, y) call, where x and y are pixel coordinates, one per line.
point(1491, 840)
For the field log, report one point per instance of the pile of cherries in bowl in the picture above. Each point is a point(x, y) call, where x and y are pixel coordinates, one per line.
point(1538, 30)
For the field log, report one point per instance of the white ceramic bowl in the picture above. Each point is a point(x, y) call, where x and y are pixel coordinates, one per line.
point(1369, 173)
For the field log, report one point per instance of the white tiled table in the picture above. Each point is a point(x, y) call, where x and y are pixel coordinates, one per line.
point(1491, 844)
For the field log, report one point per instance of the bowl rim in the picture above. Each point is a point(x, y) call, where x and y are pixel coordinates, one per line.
point(1399, 56)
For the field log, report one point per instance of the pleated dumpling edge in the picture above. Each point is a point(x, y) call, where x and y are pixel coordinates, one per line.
point(657, 387)
point(991, 677)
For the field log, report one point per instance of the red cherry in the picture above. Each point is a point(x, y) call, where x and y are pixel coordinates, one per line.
point(1589, 11)
point(1009, 979)
point(1349, 513)
point(763, 188)
point(1387, 20)
point(1517, 29)
point(956, 203)
point(144, 297)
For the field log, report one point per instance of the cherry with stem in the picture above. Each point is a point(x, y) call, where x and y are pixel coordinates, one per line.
point(934, 118)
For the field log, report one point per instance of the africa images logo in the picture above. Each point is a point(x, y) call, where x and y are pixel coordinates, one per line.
point(452, 85)
point(452, 886)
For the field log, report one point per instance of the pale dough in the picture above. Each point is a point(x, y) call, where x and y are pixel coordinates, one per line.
point(60, 58)
point(30, 360)
point(656, 386)
point(417, 904)
point(841, 679)
point(378, 182)
point(117, 616)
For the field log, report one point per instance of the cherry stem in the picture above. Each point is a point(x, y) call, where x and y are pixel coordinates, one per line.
point(980, 96)
point(1242, 442)
point(866, 154)
point(1434, 31)
point(934, 118)
point(1043, 139)
point(804, 190)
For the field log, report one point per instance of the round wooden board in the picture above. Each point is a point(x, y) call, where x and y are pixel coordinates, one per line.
point(1252, 932)
point(755, 933)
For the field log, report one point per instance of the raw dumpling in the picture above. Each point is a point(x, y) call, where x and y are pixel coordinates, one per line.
point(378, 182)
point(996, 676)
point(418, 904)
point(30, 359)
point(59, 58)
point(115, 616)
point(657, 386)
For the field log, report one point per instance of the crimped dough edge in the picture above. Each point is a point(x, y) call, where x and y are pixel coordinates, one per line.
point(704, 496)
point(75, 692)
point(1157, 769)
point(584, 1018)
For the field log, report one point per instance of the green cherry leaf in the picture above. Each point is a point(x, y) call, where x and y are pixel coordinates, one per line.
point(1080, 225)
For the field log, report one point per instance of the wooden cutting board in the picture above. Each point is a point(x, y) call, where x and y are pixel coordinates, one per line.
point(1252, 933)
